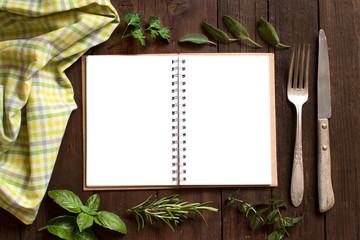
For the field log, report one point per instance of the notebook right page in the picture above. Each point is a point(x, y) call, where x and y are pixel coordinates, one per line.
point(230, 123)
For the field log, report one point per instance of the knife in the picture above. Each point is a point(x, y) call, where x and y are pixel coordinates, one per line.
point(325, 190)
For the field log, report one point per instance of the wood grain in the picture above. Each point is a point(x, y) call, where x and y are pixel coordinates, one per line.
point(296, 21)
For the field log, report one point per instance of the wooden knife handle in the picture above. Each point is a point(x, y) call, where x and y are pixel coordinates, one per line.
point(326, 193)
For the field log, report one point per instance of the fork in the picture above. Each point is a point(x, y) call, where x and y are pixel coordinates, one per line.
point(297, 92)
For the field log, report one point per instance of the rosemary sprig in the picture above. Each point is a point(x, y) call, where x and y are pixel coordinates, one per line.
point(169, 210)
point(259, 210)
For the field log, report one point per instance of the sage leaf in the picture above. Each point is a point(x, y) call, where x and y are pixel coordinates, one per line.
point(87, 234)
point(67, 200)
point(93, 202)
point(111, 221)
point(61, 226)
point(216, 33)
point(237, 29)
point(84, 221)
point(196, 38)
point(268, 33)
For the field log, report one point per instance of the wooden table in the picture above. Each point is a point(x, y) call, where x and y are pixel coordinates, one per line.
point(296, 22)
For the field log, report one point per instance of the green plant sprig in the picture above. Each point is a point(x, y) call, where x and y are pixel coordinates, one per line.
point(273, 216)
point(134, 20)
point(169, 210)
point(74, 228)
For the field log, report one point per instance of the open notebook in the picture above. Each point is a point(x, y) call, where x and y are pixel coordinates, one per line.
point(179, 120)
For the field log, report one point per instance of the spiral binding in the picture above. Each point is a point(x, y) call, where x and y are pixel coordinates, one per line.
point(178, 104)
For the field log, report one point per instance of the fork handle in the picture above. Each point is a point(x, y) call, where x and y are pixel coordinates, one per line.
point(325, 190)
point(297, 177)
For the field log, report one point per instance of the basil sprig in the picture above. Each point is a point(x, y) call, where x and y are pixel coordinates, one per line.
point(74, 228)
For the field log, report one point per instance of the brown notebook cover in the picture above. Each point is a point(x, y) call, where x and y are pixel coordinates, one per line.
point(178, 121)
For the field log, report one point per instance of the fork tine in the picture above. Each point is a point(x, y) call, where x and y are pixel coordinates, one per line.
point(301, 73)
point(307, 68)
point(291, 70)
point(296, 70)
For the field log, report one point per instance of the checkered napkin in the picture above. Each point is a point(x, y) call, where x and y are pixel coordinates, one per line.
point(39, 39)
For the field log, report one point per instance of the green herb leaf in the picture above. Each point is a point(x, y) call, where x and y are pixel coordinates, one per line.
point(268, 33)
point(297, 219)
point(154, 22)
point(235, 27)
point(278, 234)
point(271, 218)
point(216, 33)
point(111, 221)
point(84, 221)
point(286, 222)
point(67, 199)
point(164, 33)
point(61, 226)
point(243, 207)
point(138, 34)
point(93, 202)
point(132, 19)
point(87, 234)
point(153, 33)
point(254, 221)
point(196, 38)
point(89, 211)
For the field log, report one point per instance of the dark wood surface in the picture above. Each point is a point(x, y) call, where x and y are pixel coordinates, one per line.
point(296, 21)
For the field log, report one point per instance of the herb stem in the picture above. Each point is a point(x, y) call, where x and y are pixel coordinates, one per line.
point(253, 42)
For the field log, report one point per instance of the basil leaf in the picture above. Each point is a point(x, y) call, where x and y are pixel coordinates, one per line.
point(196, 38)
point(154, 22)
point(93, 202)
point(268, 33)
point(87, 234)
point(216, 33)
point(61, 226)
point(111, 221)
point(84, 221)
point(66, 199)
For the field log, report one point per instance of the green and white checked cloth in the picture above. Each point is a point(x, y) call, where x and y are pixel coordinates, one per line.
point(39, 39)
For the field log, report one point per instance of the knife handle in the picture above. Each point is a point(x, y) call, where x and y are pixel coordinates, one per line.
point(325, 190)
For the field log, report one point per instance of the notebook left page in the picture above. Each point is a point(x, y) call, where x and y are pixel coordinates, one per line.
point(128, 114)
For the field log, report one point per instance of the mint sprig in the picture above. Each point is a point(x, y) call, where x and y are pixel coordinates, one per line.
point(134, 21)
point(78, 227)
point(266, 213)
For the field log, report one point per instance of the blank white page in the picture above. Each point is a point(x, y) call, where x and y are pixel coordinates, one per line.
point(228, 120)
point(128, 120)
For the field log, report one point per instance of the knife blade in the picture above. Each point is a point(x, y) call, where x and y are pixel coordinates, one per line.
point(325, 190)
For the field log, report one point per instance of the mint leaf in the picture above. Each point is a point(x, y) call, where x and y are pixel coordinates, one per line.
point(84, 221)
point(138, 34)
point(254, 222)
point(297, 219)
point(154, 22)
point(271, 218)
point(67, 200)
point(93, 202)
point(133, 19)
point(277, 234)
point(164, 33)
point(61, 226)
point(111, 221)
